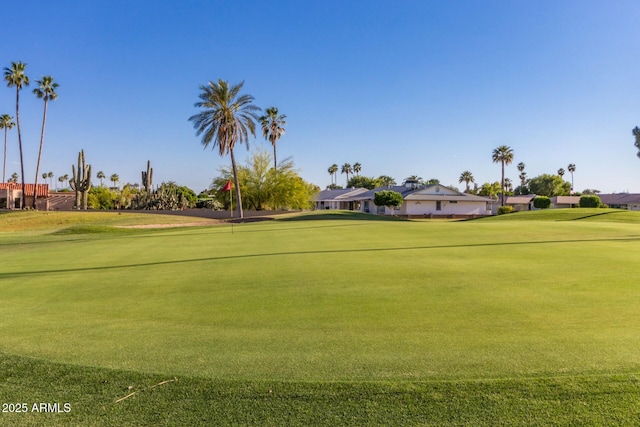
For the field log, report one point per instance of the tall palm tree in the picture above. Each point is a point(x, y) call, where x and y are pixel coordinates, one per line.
point(46, 91)
point(65, 177)
point(50, 176)
point(504, 155)
point(273, 128)
point(114, 178)
point(347, 169)
point(14, 178)
point(6, 123)
point(61, 179)
point(357, 167)
point(100, 175)
point(636, 133)
point(15, 77)
point(571, 168)
point(523, 175)
point(227, 118)
point(467, 177)
point(333, 170)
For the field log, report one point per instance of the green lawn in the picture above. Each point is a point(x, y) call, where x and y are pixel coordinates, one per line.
point(523, 319)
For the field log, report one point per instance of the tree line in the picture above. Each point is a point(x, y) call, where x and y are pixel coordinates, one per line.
point(545, 184)
point(16, 77)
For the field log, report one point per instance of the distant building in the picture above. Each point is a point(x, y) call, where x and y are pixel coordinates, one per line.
point(11, 196)
point(433, 200)
point(630, 201)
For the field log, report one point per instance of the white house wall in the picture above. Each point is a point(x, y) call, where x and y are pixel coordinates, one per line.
point(426, 207)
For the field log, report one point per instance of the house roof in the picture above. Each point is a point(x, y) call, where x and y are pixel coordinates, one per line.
point(43, 189)
point(519, 200)
point(340, 194)
point(620, 198)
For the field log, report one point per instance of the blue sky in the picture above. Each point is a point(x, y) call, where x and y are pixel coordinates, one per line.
point(403, 87)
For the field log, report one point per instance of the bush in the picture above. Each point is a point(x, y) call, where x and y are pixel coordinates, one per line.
point(541, 202)
point(590, 201)
point(101, 198)
point(505, 210)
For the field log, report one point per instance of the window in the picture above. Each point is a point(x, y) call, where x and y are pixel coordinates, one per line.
point(438, 205)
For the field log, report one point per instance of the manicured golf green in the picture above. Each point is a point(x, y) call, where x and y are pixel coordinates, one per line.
point(326, 304)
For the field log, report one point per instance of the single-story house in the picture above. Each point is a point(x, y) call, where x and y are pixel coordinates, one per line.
point(559, 202)
point(11, 195)
point(519, 203)
point(339, 198)
point(431, 201)
point(630, 201)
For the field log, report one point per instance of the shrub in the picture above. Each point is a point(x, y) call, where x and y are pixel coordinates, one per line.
point(505, 210)
point(590, 201)
point(388, 198)
point(541, 202)
point(101, 198)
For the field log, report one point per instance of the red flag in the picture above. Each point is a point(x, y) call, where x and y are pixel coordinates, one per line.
point(227, 186)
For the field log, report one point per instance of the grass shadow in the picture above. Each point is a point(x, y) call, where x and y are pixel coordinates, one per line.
point(301, 253)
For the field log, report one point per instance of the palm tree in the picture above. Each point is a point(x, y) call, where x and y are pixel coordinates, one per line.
point(467, 177)
point(333, 170)
point(227, 118)
point(571, 168)
point(508, 185)
point(114, 178)
point(14, 178)
point(346, 168)
point(65, 177)
point(385, 180)
point(560, 172)
point(357, 167)
point(15, 77)
point(6, 123)
point(100, 175)
point(273, 128)
point(522, 176)
point(61, 179)
point(636, 133)
point(50, 176)
point(504, 155)
point(46, 91)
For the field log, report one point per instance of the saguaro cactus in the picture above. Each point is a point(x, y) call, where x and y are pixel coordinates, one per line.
point(147, 178)
point(81, 182)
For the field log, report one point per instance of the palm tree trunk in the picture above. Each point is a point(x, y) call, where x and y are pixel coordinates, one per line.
point(23, 198)
point(502, 188)
point(275, 163)
point(35, 183)
point(4, 164)
point(235, 178)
